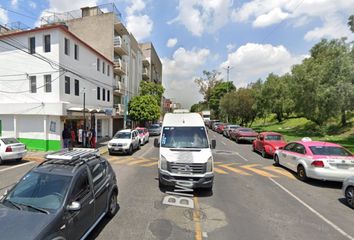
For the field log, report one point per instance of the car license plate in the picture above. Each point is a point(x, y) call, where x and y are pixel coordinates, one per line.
point(343, 166)
point(118, 149)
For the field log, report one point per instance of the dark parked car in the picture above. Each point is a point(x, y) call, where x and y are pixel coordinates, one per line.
point(155, 130)
point(243, 134)
point(64, 197)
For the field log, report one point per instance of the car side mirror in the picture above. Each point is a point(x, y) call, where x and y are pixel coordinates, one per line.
point(156, 143)
point(213, 144)
point(74, 206)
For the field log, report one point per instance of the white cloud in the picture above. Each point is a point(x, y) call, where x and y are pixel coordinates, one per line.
point(252, 61)
point(136, 6)
point(200, 16)
point(230, 47)
point(3, 16)
point(33, 5)
point(274, 16)
point(140, 26)
point(263, 13)
point(14, 3)
point(179, 73)
point(171, 42)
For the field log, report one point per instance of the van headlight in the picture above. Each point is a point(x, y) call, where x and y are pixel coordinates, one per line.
point(163, 162)
point(209, 167)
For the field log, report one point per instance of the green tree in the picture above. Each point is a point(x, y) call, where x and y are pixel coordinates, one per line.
point(216, 93)
point(151, 88)
point(198, 107)
point(351, 23)
point(144, 108)
point(207, 83)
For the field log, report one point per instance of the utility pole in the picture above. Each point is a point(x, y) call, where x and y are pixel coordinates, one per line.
point(83, 111)
point(227, 85)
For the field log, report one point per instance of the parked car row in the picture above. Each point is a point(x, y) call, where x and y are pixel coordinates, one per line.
point(308, 159)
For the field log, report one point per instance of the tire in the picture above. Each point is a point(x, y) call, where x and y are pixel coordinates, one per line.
point(110, 153)
point(139, 145)
point(130, 151)
point(264, 154)
point(112, 205)
point(1, 161)
point(237, 140)
point(349, 196)
point(253, 148)
point(276, 161)
point(301, 173)
point(18, 159)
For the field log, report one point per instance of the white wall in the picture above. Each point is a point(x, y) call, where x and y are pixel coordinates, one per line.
point(7, 124)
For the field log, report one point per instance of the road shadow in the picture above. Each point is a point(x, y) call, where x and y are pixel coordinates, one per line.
point(13, 162)
point(344, 202)
point(101, 225)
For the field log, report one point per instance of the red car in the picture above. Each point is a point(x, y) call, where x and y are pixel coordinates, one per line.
point(267, 143)
point(220, 128)
point(243, 134)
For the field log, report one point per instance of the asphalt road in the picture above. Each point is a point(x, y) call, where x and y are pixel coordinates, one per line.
point(251, 199)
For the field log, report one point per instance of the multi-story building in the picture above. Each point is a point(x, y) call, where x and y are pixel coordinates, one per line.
point(47, 74)
point(102, 28)
point(152, 66)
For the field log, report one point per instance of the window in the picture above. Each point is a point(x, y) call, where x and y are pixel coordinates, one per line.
point(103, 94)
point(289, 147)
point(98, 93)
point(108, 96)
point(46, 43)
point(299, 149)
point(48, 83)
point(77, 87)
point(98, 64)
point(330, 151)
point(103, 67)
point(67, 85)
point(67, 46)
point(81, 188)
point(108, 70)
point(184, 137)
point(33, 84)
point(32, 45)
point(76, 52)
point(98, 173)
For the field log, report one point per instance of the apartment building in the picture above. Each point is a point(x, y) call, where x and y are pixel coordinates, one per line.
point(103, 29)
point(152, 66)
point(46, 75)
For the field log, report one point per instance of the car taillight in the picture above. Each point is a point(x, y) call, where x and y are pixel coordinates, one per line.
point(317, 164)
point(8, 149)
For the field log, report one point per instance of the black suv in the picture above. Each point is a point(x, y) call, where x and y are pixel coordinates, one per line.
point(64, 197)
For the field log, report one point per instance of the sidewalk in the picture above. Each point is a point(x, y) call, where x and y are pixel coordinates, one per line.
point(38, 156)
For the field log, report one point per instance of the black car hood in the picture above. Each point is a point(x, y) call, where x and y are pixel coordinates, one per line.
point(22, 224)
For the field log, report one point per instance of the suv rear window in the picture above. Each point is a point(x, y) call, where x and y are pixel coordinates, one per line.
point(9, 140)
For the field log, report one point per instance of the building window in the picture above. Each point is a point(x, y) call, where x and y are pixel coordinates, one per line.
point(98, 64)
point(48, 83)
point(108, 96)
point(76, 52)
point(98, 93)
point(67, 46)
point(33, 84)
point(32, 45)
point(103, 94)
point(46, 43)
point(67, 85)
point(103, 67)
point(77, 87)
point(108, 70)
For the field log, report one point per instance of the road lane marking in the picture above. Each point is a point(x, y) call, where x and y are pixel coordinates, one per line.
point(138, 161)
point(313, 210)
point(149, 164)
point(223, 143)
point(196, 219)
point(235, 170)
point(220, 171)
point(217, 163)
point(280, 171)
point(147, 151)
point(119, 161)
point(17, 166)
point(251, 167)
point(241, 156)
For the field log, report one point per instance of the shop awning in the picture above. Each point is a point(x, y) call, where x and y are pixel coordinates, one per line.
point(88, 110)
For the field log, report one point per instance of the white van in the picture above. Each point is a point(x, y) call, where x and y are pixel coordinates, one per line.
point(185, 151)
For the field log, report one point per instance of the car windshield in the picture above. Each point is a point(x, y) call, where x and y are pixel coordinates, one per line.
point(233, 126)
point(154, 126)
point(141, 131)
point(40, 190)
point(330, 151)
point(246, 130)
point(122, 135)
point(9, 140)
point(184, 137)
point(274, 137)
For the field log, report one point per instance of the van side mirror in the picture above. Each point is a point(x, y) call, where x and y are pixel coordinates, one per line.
point(213, 144)
point(156, 143)
point(74, 206)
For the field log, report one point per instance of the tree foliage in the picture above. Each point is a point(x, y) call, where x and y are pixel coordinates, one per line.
point(144, 108)
point(151, 88)
point(216, 93)
point(198, 107)
point(207, 83)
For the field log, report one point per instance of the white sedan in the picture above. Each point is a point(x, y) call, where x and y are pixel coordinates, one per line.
point(318, 160)
point(11, 149)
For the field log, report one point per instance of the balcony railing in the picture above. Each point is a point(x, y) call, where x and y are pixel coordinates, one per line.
point(119, 87)
point(119, 109)
point(119, 66)
point(146, 74)
point(120, 46)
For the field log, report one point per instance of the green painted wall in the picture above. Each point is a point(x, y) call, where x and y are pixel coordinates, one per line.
point(41, 145)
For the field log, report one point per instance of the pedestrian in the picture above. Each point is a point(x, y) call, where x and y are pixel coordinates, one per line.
point(66, 137)
point(73, 137)
point(79, 135)
point(93, 138)
point(89, 136)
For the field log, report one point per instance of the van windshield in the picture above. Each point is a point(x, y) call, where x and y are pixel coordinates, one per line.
point(184, 137)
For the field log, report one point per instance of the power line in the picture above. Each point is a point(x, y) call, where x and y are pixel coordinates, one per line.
point(21, 14)
point(29, 73)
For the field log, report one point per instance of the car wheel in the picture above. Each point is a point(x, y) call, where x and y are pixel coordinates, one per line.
point(0, 161)
point(253, 148)
point(139, 145)
point(18, 159)
point(130, 151)
point(237, 140)
point(276, 160)
point(264, 154)
point(110, 152)
point(147, 140)
point(113, 206)
point(349, 196)
point(301, 173)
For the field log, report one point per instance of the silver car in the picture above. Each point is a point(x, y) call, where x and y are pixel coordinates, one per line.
point(348, 191)
point(11, 149)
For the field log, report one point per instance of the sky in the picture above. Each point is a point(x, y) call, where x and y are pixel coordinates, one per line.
point(253, 38)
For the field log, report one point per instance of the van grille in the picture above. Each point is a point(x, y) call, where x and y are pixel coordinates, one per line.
point(195, 168)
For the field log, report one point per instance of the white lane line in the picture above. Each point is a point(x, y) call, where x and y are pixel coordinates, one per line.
point(147, 151)
point(241, 156)
point(20, 165)
point(314, 211)
point(223, 143)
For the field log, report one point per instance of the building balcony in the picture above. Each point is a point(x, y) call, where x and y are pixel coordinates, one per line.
point(120, 47)
point(146, 62)
point(119, 66)
point(146, 75)
point(120, 109)
point(119, 88)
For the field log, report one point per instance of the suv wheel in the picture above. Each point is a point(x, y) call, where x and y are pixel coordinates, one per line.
point(0, 161)
point(349, 196)
point(130, 151)
point(139, 145)
point(113, 206)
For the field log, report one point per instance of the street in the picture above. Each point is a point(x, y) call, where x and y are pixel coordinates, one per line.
point(251, 199)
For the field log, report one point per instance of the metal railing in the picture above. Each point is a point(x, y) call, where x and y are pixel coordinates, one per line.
point(120, 64)
point(118, 42)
